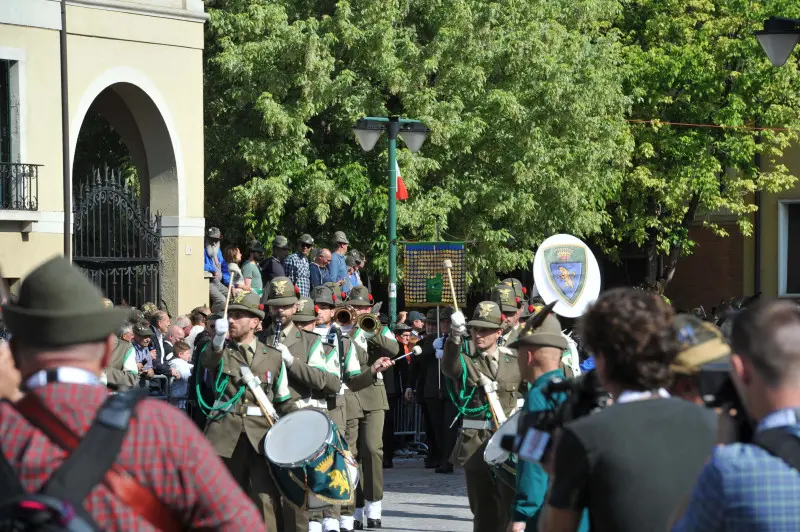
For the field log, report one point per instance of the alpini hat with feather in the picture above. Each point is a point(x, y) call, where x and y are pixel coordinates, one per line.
point(58, 306)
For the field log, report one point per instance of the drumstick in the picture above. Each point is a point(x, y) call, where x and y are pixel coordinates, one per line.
point(228, 299)
point(449, 266)
point(414, 352)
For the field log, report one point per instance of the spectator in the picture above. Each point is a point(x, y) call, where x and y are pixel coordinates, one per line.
point(198, 318)
point(338, 268)
point(297, 267)
point(753, 486)
point(185, 324)
point(215, 264)
point(250, 269)
point(182, 366)
point(348, 285)
point(126, 332)
point(358, 257)
point(416, 320)
point(233, 257)
point(700, 371)
point(273, 267)
point(319, 268)
point(159, 323)
point(633, 462)
point(145, 354)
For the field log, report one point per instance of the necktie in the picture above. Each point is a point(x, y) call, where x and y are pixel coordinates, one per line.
point(492, 364)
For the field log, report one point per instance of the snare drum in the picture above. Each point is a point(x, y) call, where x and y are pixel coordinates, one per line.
point(501, 462)
point(310, 461)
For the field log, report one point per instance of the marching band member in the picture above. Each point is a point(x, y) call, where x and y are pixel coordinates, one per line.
point(472, 362)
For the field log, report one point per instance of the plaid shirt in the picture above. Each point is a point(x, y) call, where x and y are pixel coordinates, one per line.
point(745, 488)
point(163, 451)
point(297, 269)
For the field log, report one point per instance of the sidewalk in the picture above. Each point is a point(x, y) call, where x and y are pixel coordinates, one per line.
point(417, 499)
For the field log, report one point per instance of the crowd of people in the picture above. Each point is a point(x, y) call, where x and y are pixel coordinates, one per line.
point(672, 424)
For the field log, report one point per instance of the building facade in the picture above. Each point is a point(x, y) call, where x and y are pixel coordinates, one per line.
point(138, 64)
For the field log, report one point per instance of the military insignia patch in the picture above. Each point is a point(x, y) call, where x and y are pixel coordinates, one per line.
point(505, 295)
point(484, 309)
point(237, 297)
point(301, 304)
point(280, 287)
point(566, 270)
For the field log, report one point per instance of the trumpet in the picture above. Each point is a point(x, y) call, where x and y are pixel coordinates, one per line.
point(344, 316)
point(369, 323)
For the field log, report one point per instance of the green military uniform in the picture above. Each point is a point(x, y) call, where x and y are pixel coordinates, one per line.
point(489, 500)
point(311, 378)
point(122, 373)
point(237, 427)
point(509, 303)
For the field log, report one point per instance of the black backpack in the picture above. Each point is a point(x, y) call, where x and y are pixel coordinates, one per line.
point(58, 506)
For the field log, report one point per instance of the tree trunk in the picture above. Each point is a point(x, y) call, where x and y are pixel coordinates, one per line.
point(671, 261)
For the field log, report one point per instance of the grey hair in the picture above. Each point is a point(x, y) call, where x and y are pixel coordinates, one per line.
point(124, 328)
point(183, 321)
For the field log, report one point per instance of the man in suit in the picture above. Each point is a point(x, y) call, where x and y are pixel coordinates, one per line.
point(237, 430)
point(485, 362)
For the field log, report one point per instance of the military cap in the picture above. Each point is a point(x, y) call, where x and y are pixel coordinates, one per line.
point(213, 233)
point(142, 329)
point(702, 346)
point(542, 330)
point(350, 261)
point(255, 246)
point(519, 291)
point(444, 314)
point(357, 255)
point(359, 296)
point(323, 295)
point(248, 302)
point(487, 315)
point(281, 291)
point(401, 327)
point(340, 238)
point(135, 316)
point(415, 315)
point(58, 306)
point(383, 318)
point(503, 295)
point(306, 239)
point(214, 316)
point(430, 317)
point(305, 311)
point(280, 242)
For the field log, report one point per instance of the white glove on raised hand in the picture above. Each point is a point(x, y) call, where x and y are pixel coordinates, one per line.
point(220, 331)
point(439, 353)
point(287, 357)
point(439, 343)
point(458, 323)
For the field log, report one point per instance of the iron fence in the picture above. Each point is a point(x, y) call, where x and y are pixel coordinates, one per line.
point(19, 186)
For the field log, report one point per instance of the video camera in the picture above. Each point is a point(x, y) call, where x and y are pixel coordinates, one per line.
point(568, 399)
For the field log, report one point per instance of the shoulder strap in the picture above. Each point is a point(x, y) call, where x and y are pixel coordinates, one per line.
point(781, 443)
point(10, 486)
point(125, 487)
point(97, 451)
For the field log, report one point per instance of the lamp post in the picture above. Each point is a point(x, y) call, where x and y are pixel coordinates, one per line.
point(778, 38)
point(413, 132)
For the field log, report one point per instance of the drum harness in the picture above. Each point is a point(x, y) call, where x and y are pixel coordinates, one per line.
point(463, 400)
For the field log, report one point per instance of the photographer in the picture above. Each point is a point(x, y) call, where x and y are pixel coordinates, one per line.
point(539, 351)
point(754, 486)
point(631, 463)
point(701, 367)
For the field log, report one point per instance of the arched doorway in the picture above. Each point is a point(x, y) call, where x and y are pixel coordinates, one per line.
point(124, 177)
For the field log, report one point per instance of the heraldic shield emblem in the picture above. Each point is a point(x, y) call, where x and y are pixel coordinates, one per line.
point(566, 268)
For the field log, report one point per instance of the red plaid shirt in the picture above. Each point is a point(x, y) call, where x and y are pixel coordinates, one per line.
point(163, 450)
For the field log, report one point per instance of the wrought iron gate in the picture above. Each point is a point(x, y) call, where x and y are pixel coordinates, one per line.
point(116, 242)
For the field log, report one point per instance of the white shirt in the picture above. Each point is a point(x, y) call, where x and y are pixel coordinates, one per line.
point(197, 329)
point(180, 387)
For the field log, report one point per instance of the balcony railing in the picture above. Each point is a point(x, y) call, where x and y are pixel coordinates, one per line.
point(19, 186)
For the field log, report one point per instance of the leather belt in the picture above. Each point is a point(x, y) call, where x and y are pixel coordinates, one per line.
point(248, 411)
point(476, 424)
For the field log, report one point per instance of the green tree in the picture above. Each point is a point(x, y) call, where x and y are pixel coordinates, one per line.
point(524, 99)
point(697, 62)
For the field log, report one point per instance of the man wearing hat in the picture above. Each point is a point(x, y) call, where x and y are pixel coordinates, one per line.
point(236, 425)
point(216, 265)
point(251, 270)
point(702, 365)
point(63, 337)
point(373, 402)
point(145, 352)
point(485, 363)
point(539, 349)
point(273, 266)
point(297, 267)
point(337, 269)
point(505, 298)
point(310, 379)
point(305, 318)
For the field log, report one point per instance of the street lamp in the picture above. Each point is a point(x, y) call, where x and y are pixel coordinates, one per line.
point(778, 39)
point(413, 132)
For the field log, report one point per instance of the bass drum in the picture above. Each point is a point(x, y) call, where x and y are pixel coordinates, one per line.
point(502, 462)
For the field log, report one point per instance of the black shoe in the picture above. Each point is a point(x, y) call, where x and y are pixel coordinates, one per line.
point(445, 468)
point(373, 523)
point(357, 525)
point(345, 530)
point(431, 465)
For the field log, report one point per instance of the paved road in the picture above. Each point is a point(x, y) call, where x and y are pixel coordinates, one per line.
point(417, 499)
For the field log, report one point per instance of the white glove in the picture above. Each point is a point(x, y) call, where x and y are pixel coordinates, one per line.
point(439, 353)
point(368, 335)
point(220, 331)
point(287, 357)
point(458, 324)
point(438, 343)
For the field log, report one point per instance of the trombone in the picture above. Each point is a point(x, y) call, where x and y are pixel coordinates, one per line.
point(369, 323)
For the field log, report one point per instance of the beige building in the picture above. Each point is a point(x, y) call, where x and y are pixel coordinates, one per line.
point(138, 64)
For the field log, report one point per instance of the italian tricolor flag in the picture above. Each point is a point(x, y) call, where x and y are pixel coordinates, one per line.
point(402, 193)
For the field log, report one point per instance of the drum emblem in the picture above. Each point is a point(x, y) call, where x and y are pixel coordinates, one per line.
point(566, 268)
point(338, 481)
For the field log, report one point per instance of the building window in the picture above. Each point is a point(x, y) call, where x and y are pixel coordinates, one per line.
point(5, 110)
point(789, 248)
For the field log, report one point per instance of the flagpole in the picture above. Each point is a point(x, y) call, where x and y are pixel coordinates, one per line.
point(393, 129)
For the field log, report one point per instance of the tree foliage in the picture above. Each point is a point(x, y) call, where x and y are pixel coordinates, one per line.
point(525, 102)
point(697, 62)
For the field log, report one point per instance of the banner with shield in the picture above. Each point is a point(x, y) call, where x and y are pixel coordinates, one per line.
point(565, 270)
point(425, 277)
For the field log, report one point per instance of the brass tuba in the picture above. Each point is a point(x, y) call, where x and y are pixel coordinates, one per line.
point(344, 316)
point(369, 323)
